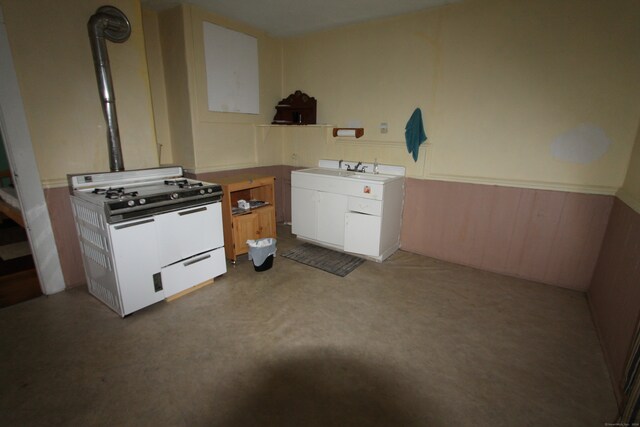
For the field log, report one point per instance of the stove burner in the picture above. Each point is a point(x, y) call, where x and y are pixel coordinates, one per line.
point(182, 183)
point(121, 196)
point(175, 182)
point(106, 190)
point(115, 193)
point(192, 185)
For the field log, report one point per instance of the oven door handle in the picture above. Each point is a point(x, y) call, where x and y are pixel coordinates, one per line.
point(133, 224)
point(192, 211)
point(193, 261)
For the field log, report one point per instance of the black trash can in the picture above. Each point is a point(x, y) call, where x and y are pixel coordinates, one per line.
point(262, 252)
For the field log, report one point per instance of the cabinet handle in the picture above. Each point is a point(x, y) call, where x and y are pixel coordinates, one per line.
point(204, 208)
point(133, 224)
point(193, 261)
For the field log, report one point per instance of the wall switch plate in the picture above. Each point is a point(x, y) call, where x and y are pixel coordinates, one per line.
point(384, 127)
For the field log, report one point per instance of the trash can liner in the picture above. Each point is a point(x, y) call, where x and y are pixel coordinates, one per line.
point(260, 249)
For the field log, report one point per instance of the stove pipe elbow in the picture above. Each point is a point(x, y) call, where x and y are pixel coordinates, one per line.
point(111, 24)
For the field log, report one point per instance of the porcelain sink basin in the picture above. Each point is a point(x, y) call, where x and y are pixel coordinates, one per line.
point(363, 176)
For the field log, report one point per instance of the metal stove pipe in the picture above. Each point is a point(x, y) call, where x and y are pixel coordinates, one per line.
point(111, 24)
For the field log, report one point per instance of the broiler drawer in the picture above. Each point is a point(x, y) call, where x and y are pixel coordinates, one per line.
point(192, 271)
point(367, 206)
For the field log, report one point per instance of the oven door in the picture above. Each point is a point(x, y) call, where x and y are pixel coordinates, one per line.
point(136, 263)
point(188, 232)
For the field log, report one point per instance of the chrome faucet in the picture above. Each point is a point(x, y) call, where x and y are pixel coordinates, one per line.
point(359, 167)
point(354, 168)
point(340, 164)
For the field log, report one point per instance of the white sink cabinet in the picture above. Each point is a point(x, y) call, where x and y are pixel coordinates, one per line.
point(360, 213)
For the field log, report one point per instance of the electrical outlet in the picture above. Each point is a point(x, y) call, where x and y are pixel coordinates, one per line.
point(384, 127)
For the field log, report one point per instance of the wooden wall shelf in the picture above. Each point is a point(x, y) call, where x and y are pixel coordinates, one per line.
point(297, 109)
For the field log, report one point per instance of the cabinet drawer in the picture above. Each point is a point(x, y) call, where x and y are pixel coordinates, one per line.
point(192, 271)
point(367, 206)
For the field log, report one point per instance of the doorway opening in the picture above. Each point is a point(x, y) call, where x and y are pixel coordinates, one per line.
point(18, 276)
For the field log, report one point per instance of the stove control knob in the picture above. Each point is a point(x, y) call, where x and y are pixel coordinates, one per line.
point(174, 195)
point(131, 202)
point(142, 201)
point(209, 190)
point(201, 191)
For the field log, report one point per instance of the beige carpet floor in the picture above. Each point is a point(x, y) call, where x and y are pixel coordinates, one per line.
point(410, 342)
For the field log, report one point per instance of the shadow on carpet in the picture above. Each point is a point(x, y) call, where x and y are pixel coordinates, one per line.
point(331, 261)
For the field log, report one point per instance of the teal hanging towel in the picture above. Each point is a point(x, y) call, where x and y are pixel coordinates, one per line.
point(414, 133)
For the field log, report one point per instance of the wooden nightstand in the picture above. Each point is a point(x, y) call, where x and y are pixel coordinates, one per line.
point(242, 225)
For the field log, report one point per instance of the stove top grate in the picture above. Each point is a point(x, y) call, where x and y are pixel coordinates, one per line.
point(182, 183)
point(115, 193)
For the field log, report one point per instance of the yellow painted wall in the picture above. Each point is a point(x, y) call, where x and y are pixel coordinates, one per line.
point(157, 83)
point(630, 191)
point(233, 140)
point(497, 81)
point(202, 140)
point(52, 56)
point(178, 109)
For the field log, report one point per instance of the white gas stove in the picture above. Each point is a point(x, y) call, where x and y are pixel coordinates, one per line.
point(147, 234)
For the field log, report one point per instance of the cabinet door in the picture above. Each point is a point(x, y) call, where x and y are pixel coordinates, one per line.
point(266, 221)
point(331, 210)
point(245, 227)
point(135, 249)
point(304, 212)
point(362, 233)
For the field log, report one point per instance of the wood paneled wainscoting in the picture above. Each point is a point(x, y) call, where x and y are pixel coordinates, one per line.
point(65, 234)
point(552, 237)
point(614, 295)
